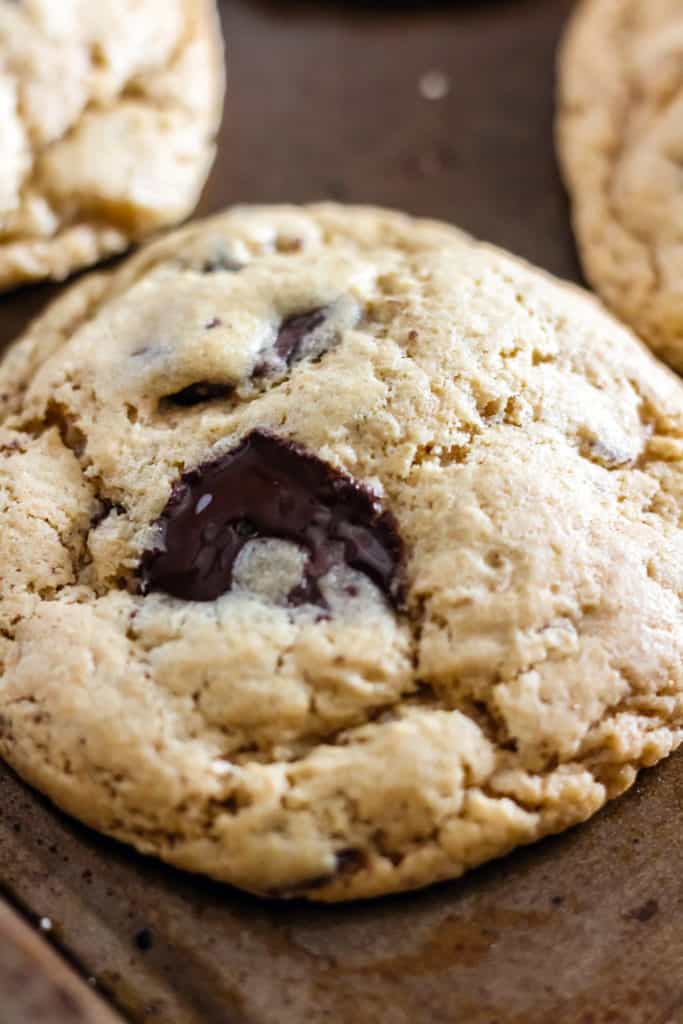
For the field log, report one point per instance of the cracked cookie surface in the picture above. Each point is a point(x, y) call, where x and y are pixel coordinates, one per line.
point(439, 617)
point(108, 116)
point(619, 132)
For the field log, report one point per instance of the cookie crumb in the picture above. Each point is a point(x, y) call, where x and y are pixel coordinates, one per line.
point(434, 85)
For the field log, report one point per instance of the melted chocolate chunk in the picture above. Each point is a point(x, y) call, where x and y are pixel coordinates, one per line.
point(290, 339)
point(269, 487)
point(294, 330)
point(195, 394)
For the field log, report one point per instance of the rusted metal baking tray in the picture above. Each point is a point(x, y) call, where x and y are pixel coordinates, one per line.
point(328, 100)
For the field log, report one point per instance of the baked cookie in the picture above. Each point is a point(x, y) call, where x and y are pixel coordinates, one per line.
point(108, 116)
point(338, 553)
point(620, 139)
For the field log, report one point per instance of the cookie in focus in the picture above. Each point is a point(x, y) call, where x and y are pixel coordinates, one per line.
point(340, 553)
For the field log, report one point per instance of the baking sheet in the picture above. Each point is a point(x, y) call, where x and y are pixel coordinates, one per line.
point(325, 101)
point(37, 986)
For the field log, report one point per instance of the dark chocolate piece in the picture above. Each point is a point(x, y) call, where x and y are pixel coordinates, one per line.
point(294, 330)
point(287, 349)
point(269, 487)
point(349, 861)
point(106, 507)
point(195, 394)
point(291, 336)
point(144, 940)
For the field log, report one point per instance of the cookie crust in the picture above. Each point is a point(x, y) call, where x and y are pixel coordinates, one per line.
point(530, 452)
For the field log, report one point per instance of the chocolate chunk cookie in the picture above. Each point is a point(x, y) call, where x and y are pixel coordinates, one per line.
point(620, 132)
point(108, 113)
point(339, 553)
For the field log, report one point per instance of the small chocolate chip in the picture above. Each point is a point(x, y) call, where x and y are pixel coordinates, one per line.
point(195, 394)
point(105, 509)
point(349, 861)
point(144, 940)
point(221, 261)
point(215, 321)
point(10, 449)
point(269, 487)
point(289, 343)
point(293, 331)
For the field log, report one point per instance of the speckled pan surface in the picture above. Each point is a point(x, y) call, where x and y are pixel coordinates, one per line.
point(582, 925)
point(37, 986)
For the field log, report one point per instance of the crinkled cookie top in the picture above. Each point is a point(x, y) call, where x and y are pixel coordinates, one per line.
point(620, 137)
point(108, 114)
point(338, 553)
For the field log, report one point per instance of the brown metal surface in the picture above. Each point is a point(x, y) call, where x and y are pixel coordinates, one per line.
point(583, 929)
point(37, 986)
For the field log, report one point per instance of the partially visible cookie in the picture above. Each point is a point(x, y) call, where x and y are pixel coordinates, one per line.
point(620, 139)
point(108, 115)
point(338, 553)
